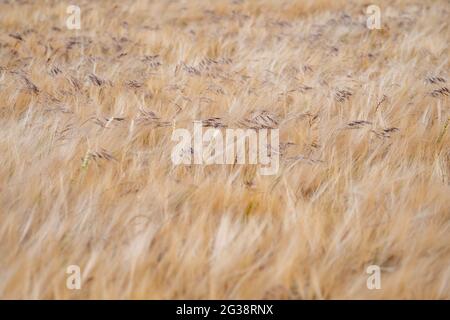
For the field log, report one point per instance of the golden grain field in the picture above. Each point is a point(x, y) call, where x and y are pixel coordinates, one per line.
point(86, 178)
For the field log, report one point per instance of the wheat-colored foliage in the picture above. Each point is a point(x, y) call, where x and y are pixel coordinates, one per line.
point(86, 118)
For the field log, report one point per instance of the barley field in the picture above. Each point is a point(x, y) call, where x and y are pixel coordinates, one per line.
point(86, 177)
